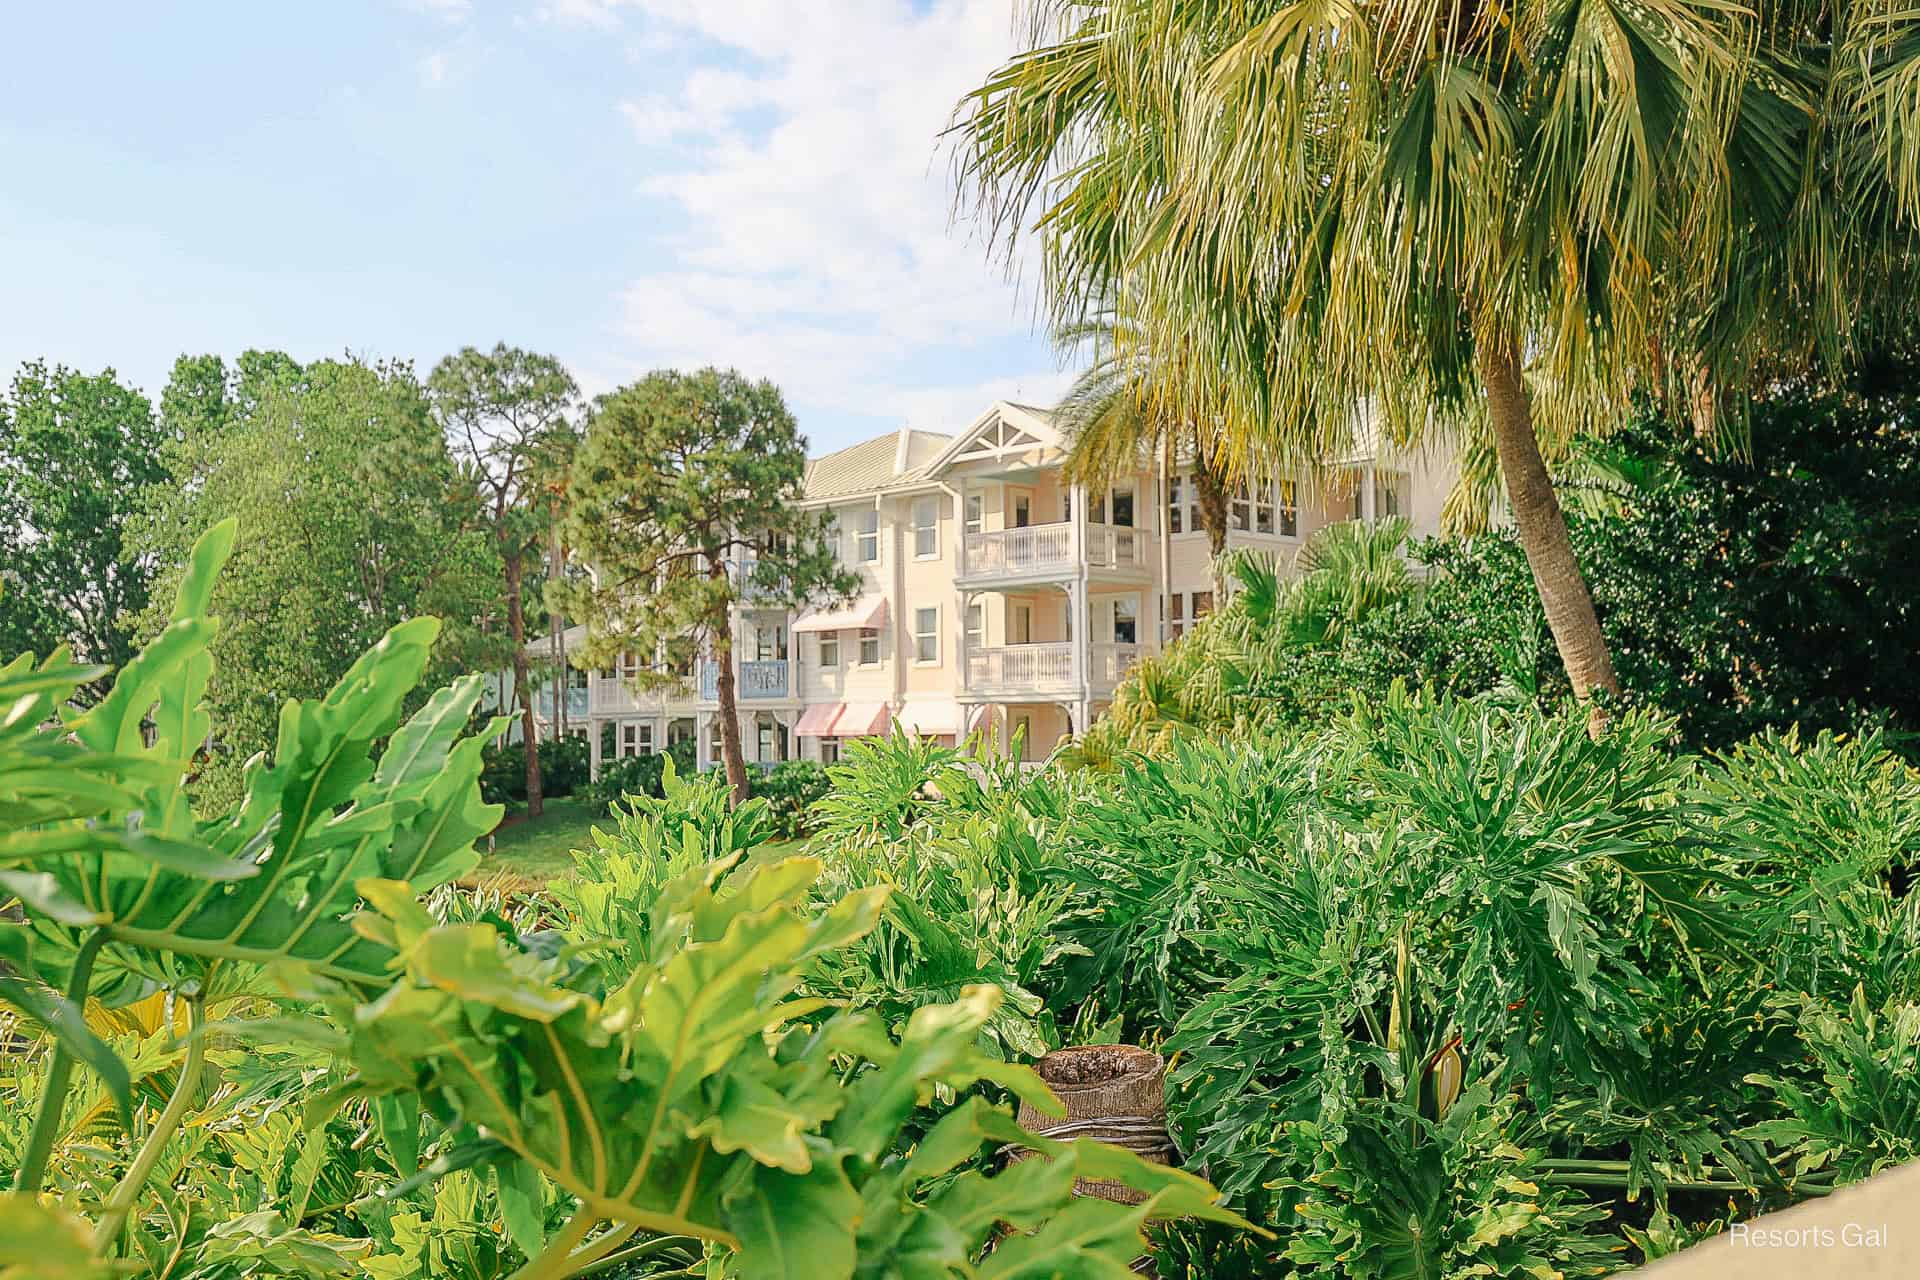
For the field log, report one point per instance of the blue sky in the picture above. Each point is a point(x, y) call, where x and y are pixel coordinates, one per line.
point(624, 183)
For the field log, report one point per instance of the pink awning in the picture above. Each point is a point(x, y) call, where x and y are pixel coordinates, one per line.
point(817, 721)
point(842, 720)
point(861, 719)
point(930, 717)
point(868, 613)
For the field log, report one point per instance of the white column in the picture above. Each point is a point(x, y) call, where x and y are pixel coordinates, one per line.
point(1366, 492)
point(593, 743)
point(965, 599)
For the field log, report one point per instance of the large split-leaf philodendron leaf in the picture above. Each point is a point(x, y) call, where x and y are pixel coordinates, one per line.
point(707, 1098)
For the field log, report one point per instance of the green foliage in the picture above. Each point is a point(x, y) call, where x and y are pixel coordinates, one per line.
point(76, 452)
point(564, 764)
point(638, 775)
point(357, 522)
point(684, 498)
point(685, 1084)
point(791, 788)
point(1394, 1195)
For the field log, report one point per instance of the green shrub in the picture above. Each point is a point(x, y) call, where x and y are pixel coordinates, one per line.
point(790, 788)
point(564, 765)
point(637, 775)
point(695, 1092)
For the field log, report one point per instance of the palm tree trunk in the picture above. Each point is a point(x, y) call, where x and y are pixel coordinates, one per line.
point(1210, 499)
point(1543, 530)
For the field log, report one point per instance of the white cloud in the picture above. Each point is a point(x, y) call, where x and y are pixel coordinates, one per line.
point(434, 68)
point(805, 163)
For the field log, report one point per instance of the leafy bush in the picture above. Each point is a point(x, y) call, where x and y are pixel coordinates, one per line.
point(638, 775)
point(692, 1091)
point(564, 766)
point(790, 788)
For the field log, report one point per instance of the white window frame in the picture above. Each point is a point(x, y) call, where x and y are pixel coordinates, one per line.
point(870, 637)
point(1130, 605)
point(977, 625)
point(1264, 510)
point(1240, 508)
point(1176, 614)
point(1113, 506)
point(829, 650)
point(976, 513)
point(926, 527)
point(866, 536)
point(1287, 508)
point(1176, 503)
point(929, 637)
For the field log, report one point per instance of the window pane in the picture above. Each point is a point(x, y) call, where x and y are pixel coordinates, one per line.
point(1175, 504)
point(926, 635)
point(1202, 604)
point(1289, 510)
point(1123, 508)
point(869, 647)
point(830, 649)
point(976, 513)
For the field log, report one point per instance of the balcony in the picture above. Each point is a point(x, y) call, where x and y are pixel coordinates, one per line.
point(756, 682)
point(1014, 670)
point(1044, 552)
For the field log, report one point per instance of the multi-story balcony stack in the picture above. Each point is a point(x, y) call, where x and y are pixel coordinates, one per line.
point(994, 595)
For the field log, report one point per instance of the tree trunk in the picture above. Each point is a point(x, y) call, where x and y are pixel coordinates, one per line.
point(730, 753)
point(1543, 530)
point(556, 564)
point(1210, 499)
point(522, 690)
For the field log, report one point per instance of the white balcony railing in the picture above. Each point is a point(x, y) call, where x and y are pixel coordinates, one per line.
point(1041, 549)
point(1021, 668)
point(1106, 663)
point(1046, 668)
point(756, 680)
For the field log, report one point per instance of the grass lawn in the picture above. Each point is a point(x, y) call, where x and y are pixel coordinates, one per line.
point(540, 850)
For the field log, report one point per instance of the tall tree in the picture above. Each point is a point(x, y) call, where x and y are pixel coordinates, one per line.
point(76, 453)
point(1519, 213)
point(682, 505)
point(505, 416)
point(355, 518)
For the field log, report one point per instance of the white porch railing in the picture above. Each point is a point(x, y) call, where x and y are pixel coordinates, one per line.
point(1046, 668)
point(1106, 663)
point(1041, 549)
point(1021, 668)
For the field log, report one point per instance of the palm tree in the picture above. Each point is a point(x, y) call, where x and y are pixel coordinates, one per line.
point(1509, 214)
point(1117, 417)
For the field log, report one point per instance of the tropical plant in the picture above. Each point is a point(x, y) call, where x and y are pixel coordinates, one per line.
point(791, 788)
point(637, 775)
point(1378, 221)
point(1115, 419)
point(692, 1099)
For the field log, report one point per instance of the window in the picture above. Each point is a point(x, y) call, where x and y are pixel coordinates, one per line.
point(926, 635)
point(1389, 494)
point(1126, 620)
point(976, 626)
point(1176, 504)
point(1202, 604)
point(1242, 507)
point(829, 751)
point(869, 648)
point(976, 513)
point(769, 739)
point(1176, 613)
point(926, 528)
point(829, 649)
point(636, 738)
point(1122, 507)
point(769, 642)
point(1019, 624)
point(1022, 510)
point(681, 730)
point(629, 665)
point(866, 536)
point(1289, 509)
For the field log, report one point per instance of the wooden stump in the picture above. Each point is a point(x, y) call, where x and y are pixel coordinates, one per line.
point(1113, 1093)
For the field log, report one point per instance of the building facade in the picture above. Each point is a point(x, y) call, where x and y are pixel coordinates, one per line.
point(995, 597)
